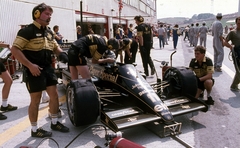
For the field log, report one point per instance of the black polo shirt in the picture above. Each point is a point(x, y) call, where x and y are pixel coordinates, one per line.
point(145, 31)
point(91, 46)
point(202, 70)
point(36, 43)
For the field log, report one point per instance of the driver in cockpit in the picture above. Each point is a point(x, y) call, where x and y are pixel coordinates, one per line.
point(90, 46)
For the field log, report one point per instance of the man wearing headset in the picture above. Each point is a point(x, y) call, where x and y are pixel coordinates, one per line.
point(145, 37)
point(89, 46)
point(34, 47)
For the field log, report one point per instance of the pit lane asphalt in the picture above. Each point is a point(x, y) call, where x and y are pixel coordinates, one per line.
point(15, 131)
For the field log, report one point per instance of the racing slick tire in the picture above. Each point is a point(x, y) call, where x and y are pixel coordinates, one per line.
point(83, 102)
point(181, 80)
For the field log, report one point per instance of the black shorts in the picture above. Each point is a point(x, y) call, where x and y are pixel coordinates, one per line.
point(40, 83)
point(75, 59)
point(2, 68)
point(201, 84)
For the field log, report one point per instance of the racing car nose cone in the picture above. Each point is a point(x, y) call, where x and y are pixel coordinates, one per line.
point(167, 116)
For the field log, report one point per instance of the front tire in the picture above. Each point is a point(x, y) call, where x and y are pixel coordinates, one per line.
point(82, 102)
point(182, 81)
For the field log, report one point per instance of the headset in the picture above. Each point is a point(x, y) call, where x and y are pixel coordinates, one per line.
point(37, 14)
point(141, 19)
point(38, 10)
point(110, 47)
point(113, 44)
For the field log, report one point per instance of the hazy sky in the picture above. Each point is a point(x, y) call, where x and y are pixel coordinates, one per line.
point(187, 8)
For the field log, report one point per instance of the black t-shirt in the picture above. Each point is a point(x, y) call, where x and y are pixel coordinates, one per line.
point(145, 31)
point(91, 46)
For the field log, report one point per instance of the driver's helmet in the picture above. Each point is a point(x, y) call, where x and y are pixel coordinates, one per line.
point(109, 54)
point(113, 44)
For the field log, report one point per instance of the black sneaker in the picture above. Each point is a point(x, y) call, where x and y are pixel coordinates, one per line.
point(234, 89)
point(2, 116)
point(201, 95)
point(209, 101)
point(40, 133)
point(59, 127)
point(8, 108)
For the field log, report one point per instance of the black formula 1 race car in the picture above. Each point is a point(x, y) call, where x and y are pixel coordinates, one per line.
point(122, 97)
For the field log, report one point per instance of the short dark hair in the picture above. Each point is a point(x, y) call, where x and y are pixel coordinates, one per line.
point(55, 27)
point(219, 17)
point(41, 7)
point(238, 18)
point(139, 18)
point(200, 48)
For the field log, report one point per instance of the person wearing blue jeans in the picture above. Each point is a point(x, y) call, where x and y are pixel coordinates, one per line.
point(175, 36)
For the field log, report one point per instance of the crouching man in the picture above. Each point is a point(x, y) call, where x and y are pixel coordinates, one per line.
point(203, 68)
